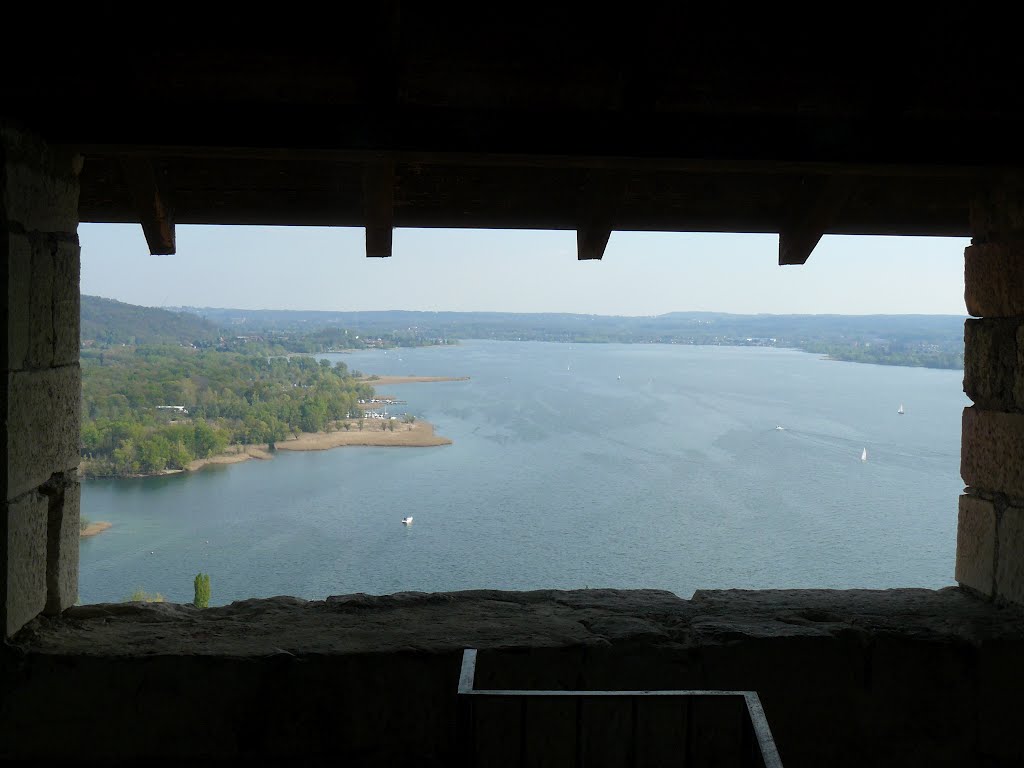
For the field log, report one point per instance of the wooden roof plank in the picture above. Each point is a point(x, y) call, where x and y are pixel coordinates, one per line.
point(379, 207)
point(600, 196)
point(821, 200)
point(151, 204)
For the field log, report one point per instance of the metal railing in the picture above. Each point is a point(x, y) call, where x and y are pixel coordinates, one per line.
point(610, 728)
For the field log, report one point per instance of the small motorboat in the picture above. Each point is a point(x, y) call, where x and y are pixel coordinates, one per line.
point(407, 520)
point(780, 428)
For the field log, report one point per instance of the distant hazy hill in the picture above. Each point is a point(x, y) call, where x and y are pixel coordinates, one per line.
point(106, 321)
point(679, 327)
point(934, 341)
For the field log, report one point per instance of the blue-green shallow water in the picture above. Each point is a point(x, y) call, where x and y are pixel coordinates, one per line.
point(563, 475)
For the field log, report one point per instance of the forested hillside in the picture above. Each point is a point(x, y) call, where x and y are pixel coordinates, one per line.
point(153, 408)
point(105, 321)
point(161, 389)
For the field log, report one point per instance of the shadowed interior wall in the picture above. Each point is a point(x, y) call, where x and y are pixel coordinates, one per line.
point(41, 381)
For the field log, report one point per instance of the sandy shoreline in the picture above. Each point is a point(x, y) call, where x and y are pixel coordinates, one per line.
point(419, 434)
point(381, 380)
point(93, 528)
point(240, 454)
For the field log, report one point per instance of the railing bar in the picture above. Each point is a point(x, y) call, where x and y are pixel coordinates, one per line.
point(751, 754)
point(467, 676)
point(765, 740)
point(688, 735)
point(470, 715)
point(579, 733)
point(756, 724)
point(634, 753)
point(522, 732)
point(596, 694)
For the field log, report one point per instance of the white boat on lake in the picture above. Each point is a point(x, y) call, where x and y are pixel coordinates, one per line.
point(864, 455)
point(900, 411)
point(407, 520)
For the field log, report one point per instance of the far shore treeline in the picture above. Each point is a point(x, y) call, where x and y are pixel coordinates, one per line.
point(928, 341)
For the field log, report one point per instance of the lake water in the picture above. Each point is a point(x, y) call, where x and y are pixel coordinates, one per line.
point(564, 475)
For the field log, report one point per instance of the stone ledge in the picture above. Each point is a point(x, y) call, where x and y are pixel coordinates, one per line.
point(446, 622)
point(895, 678)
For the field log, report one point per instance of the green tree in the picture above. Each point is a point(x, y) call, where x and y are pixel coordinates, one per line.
point(202, 590)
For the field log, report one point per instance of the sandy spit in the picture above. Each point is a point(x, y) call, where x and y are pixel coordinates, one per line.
point(384, 380)
point(417, 435)
point(93, 528)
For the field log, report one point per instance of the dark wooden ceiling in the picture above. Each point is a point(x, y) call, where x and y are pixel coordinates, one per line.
point(643, 119)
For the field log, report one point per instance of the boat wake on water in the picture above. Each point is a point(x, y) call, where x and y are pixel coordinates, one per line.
point(857, 446)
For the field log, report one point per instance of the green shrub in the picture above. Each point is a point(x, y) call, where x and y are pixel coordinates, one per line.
point(141, 596)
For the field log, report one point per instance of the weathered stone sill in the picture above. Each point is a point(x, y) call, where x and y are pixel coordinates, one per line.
point(907, 677)
point(442, 622)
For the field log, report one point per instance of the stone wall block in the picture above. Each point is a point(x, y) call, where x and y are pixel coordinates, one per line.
point(66, 302)
point(43, 416)
point(18, 272)
point(992, 451)
point(992, 363)
point(999, 211)
point(994, 279)
point(1018, 379)
point(40, 318)
point(63, 528)
point(39, 187)
point(43, 301)
point(1010, 567)
point(25, 594)
point(976, 544)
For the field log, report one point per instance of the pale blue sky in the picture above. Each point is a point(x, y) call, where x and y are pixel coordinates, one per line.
point(642, 273)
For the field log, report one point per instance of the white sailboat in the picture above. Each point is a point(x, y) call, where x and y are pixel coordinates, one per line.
point(900, 411)
point(864, 455)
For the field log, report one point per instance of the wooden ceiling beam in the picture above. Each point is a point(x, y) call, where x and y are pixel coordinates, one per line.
point(600, 196)
point(379, 207)
point(151, 204)
point(815, 212)
point(503, 160)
